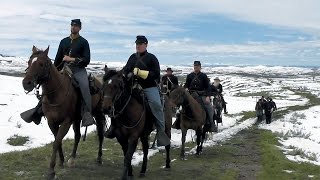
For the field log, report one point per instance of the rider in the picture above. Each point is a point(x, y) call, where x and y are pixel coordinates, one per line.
point(216, 87)
point(169, 80)
point(198, 82)
point(270, 106)
point(75, 51)
point(145, 66)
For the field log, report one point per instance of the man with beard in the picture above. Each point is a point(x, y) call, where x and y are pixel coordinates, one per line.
point(169, 81)
point(75, 51)
point(216, 87)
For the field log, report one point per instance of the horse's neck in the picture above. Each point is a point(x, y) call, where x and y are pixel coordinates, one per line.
point(191, 102)
point(55, 81)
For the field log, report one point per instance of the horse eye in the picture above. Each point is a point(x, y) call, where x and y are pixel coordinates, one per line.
point(41, 64)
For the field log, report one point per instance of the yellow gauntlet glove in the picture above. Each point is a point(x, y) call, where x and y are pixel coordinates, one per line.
point(141, 73)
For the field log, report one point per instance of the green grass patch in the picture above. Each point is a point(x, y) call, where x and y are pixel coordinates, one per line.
point(17, 140)
point(33, 163)
point(258, 94)
point(274, 161)
point(247, 115)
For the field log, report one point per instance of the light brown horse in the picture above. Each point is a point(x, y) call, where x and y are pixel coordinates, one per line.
point(131, 119)
point(193, 116)
point(61, 104)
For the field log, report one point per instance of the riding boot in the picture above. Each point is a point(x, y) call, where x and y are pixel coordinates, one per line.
point(110, 132)
point(87, 119)
point(35, 114)
point(162, 139)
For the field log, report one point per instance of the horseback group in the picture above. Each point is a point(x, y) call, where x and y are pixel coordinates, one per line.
point(130, 97)
point(265, 107)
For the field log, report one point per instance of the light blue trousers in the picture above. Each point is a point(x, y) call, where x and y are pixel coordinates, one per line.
point(153, 97)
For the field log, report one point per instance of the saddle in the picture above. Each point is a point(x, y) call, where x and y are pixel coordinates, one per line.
point(92, 86)
point(138, 94)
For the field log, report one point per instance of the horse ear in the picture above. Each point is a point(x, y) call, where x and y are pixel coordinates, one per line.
point(46, 51)
point(34, 49)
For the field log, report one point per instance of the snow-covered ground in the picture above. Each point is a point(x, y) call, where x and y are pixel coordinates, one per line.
point(242, 86)
point(299, 134)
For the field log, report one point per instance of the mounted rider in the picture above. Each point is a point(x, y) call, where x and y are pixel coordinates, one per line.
point(145, 67)
point(169, 81)
point(216, 87)
point(198, 83)
point(75, 51)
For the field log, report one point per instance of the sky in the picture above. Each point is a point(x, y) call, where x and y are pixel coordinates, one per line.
point(238, 32)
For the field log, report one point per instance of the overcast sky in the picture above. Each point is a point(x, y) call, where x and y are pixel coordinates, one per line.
point(283, 32)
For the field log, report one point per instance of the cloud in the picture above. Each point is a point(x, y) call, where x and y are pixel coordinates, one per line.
point(110, 27)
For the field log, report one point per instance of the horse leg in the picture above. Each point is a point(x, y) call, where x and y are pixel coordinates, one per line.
point(199, 138)
point(100, 119)
point(124, 146)
point(127, 171)
point(168, 160)
point(77, 136)
point(183, 140)
point(204, 132)
point(145, 147)
point(51, 173)
point(54, 130)
point(57, 144)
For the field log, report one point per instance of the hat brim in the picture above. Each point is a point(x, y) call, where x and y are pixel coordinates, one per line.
point(75, 24)
point(140, 41)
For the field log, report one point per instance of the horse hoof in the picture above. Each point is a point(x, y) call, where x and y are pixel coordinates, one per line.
point(168, 166)
point(51, 175)
point(71, 163)
point(61, 165)
point(99, 161)
point(142, 175)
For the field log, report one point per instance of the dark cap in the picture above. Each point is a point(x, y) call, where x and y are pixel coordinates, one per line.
point(76, 22)
point(216, 79)
point(169, 69)
point(197, 63)
point(141, 39)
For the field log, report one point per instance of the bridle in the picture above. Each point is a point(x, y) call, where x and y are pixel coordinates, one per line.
point(115, 114)
point(116, 98)
point(39, 80)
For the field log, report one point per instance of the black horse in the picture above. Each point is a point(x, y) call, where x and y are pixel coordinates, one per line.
point(131, 118)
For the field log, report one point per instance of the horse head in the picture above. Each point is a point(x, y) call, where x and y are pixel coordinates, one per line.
point(113, 88)
point(177, 96)
point(38, 70)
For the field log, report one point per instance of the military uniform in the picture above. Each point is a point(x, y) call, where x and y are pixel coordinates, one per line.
point(169, 81)
point(199, 83)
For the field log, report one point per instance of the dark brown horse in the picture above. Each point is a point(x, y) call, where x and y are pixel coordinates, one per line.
point(131, 119)
point(61, 104)
point(217, 105)
point(193, 116)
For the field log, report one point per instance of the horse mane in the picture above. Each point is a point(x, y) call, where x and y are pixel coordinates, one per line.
point(109, 74)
